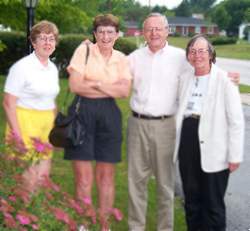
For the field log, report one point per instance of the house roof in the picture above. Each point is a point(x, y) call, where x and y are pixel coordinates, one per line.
point(188, 21)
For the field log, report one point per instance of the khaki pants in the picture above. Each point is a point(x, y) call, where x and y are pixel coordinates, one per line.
point(150, 152)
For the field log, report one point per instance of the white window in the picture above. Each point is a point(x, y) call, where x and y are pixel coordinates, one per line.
point(210, 30)
point(172, 29)
point(197, 29)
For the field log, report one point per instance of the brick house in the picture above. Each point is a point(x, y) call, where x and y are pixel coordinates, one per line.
point(132, 29)
point(180, 25)
point(189, 25)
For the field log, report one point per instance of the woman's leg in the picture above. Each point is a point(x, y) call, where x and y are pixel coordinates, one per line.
point(106, 190)
point(83, 172)
point(35, 174)
point(190, 171)
point(213, 189)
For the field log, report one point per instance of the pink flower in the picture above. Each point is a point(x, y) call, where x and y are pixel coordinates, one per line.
point(61, 215)
point(87, 200)
point(40, 146)
point(16, 144)
point(24, 220)
point(9, 220)
point(12, 198)
point(116, 213)
point(35, 227)
point(73, 204)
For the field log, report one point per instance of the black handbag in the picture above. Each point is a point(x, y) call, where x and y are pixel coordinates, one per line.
point(68, 130)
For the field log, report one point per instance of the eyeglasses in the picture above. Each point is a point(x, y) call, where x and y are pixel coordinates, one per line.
point(47, 39)
point(108, 32)
point(156, 29)
point(198, 52)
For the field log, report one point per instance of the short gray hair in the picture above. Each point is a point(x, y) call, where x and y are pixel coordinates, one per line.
point(211, 49)
point(156, 14)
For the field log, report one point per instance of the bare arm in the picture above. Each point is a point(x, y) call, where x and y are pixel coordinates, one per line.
point(9, 105)
point(118, 89)
point(84, 87)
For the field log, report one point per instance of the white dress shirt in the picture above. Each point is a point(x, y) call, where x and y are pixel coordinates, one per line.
point(156, 79)
point(36, 86)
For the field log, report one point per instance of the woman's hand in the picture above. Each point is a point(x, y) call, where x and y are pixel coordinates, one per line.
point(233, 166)
point(9, 105)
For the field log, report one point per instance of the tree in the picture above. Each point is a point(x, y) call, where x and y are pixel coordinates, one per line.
point(201, 6)
point(9, 8)
point(68, 18)
point(184, 9)
point(230, 14)
point(221, 17)
point(67, 15)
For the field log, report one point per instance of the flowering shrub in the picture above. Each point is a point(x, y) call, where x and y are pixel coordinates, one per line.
point(19, 210)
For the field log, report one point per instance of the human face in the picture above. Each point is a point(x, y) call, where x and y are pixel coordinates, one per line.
point(155, 32)
point(199, 58)
point(105, 37)
point(44, 45)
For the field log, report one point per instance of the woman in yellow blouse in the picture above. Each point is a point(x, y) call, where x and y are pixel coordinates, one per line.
point(105, 77)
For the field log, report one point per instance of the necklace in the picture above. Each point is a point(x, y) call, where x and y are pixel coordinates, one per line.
point(196, 82)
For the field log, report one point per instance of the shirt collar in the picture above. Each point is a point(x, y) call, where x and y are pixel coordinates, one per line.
point(38, 63)
point(113, 59)
point(161, 51)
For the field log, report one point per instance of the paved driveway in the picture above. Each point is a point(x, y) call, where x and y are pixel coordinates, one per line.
point(236, 65)
point(238, 193)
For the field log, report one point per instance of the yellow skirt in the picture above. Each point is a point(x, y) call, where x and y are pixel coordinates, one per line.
point(34, 123)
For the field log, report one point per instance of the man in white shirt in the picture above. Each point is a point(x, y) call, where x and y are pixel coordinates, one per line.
point(151, 128)
point(156, 70)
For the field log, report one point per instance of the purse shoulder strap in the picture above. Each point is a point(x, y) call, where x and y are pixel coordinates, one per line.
point(77, 106)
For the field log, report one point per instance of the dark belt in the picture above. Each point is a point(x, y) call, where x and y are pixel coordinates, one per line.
point(148, 117)
point(193, 116)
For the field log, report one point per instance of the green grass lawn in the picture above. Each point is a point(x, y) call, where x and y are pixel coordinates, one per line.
point(62, 174)
point(241, 50)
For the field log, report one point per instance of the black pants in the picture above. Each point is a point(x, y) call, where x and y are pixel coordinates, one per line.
point(204, 192)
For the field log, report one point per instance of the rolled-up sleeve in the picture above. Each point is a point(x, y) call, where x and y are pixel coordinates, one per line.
point(126, 74)
point(77, 62)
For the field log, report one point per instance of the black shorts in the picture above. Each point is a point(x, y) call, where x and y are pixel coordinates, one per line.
point(102, 120)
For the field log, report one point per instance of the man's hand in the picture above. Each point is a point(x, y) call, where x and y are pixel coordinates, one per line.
point(235, 77)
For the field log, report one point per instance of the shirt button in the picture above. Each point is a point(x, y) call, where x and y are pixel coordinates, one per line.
point(202, 142)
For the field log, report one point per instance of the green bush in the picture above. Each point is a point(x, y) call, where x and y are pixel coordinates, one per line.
point(15, 48)
point(15, 43)
point(223, 40)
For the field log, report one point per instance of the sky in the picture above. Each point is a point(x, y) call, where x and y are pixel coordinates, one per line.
point(168, 3)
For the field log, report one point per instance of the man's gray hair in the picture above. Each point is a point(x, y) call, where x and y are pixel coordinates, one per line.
point(156, 14)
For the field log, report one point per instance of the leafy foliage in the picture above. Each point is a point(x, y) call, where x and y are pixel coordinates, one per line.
point(16, 48)
point(230, 14)
point(17, 202)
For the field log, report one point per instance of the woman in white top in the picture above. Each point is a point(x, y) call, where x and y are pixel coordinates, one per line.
point(30, 91)
point(210, 135)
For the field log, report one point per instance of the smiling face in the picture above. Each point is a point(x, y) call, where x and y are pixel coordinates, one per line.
point(44, 45)
point(155, 32)
point(105, 37)
point(199, 57)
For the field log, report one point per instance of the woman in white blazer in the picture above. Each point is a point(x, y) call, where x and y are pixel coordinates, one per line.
point(210, 134)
